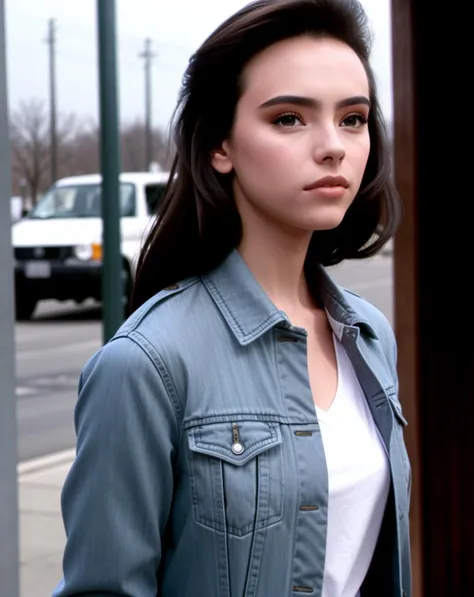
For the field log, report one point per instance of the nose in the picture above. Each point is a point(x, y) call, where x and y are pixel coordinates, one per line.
point(328, 146)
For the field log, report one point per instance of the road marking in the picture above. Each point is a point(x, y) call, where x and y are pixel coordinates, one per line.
point(23, 391)
point(89, 345)
point(45, 462)
point(51, 383)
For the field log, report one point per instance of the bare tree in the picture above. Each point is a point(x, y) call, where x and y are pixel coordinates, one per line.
point(78, 144)
point(79, 147)
point(134, 147)
point(30, 146)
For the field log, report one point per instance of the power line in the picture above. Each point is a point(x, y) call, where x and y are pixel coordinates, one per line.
point(148, 56)
point(51, 41)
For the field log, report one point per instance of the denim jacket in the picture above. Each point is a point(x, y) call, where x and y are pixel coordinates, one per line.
point(198, 448)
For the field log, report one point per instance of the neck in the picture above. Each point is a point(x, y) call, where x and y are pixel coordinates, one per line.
point(277, 259)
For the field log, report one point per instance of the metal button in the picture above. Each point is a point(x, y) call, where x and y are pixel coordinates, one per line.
point(237, 448)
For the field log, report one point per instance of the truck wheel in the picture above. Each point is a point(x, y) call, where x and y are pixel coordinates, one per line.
point(24, 307)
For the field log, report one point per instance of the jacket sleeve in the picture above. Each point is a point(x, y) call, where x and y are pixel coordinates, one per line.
point(117, 496)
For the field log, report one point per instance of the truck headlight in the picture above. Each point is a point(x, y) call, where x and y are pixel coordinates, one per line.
point(88, 252)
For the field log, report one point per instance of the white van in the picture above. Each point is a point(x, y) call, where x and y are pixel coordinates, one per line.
point(58, 246)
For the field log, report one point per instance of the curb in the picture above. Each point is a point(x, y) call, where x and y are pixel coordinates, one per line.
point(45, 462)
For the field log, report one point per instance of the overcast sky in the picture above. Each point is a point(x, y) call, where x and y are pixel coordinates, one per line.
point(176, 28)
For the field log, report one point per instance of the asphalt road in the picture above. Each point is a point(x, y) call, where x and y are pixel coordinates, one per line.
point(52, 349)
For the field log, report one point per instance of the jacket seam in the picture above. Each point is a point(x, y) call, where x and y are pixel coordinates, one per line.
point(234, 323)
point(134, 322)
point(196, 421)
point(270, 442)
point(161, 369)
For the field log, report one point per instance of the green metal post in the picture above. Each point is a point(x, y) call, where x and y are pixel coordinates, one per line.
point(9, 571)
point(112, 280)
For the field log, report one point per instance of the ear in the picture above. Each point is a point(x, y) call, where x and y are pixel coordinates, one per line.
point(221, 159)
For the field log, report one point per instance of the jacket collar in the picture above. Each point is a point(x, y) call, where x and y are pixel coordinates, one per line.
point(250, 313)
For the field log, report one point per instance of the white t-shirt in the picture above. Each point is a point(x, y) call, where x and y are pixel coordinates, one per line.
point(359, 482)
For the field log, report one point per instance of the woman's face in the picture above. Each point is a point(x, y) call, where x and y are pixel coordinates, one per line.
point(300, 142)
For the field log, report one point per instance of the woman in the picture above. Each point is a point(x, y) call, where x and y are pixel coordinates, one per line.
point(241, 435)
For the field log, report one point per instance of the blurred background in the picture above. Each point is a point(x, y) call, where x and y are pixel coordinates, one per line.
point(53, 93)
point(53, 66)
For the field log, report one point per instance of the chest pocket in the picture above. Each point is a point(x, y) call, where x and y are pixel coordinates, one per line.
point(236, 475)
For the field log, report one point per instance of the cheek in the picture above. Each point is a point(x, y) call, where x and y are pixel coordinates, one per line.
point(260, 152)
point(357, 155)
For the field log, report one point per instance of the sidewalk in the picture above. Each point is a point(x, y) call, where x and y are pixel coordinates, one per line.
point(41, 528)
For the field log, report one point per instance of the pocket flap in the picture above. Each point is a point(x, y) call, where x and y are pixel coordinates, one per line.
point(236, 443)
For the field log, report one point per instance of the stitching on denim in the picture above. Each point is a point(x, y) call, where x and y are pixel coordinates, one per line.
point(226, 418)
point(266, 521)
point(135, 320)
point(250, 451)
point(160, 366)
point(273, 318)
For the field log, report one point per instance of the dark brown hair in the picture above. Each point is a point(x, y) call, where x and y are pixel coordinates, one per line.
point(197, 223)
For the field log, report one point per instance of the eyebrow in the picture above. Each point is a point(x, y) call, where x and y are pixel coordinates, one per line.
point(309, 102)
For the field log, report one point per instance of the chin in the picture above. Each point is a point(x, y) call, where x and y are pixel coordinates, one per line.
point(328, 221)
point(327, 226)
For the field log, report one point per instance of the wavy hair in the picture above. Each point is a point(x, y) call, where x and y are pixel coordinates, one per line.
point(197, 223)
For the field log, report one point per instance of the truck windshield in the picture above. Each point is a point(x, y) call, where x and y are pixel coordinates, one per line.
point(81, 201)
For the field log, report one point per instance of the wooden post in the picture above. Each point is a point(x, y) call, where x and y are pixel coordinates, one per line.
point(433, 297)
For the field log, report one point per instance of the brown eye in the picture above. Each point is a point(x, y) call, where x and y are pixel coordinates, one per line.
point(287, 120)
point(354, 121)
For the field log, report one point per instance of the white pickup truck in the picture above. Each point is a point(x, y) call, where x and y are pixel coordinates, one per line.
point(58, 246)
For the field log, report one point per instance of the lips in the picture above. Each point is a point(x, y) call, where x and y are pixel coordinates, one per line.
point(328, 181)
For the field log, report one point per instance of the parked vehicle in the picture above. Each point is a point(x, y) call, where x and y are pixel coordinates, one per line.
point(16, 208)
point(58, 246)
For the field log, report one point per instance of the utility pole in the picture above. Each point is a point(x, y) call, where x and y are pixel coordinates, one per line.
point(148, 56)
point(51, 41)
point(112, 280)
point(9, 569)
